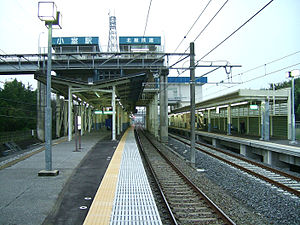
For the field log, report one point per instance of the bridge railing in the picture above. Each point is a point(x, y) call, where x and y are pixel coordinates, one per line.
point(29, 63)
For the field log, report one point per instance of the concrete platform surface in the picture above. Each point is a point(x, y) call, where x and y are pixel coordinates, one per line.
point(27, 198)
point(77, 195)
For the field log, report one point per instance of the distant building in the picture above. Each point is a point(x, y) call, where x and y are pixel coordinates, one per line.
point(179, 91)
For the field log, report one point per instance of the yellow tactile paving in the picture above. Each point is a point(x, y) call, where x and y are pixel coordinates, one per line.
point(101, 208)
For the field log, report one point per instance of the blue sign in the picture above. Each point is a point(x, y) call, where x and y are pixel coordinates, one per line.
point(75, 41)
point(186, 79)
point(140, 40)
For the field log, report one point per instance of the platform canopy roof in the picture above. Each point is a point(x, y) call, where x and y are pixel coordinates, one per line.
point(99, 93)
point(239, 96)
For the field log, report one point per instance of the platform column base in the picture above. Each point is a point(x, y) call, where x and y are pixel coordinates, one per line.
point(47, 173)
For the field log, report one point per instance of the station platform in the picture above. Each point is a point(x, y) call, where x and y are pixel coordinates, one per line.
point(276, 145)
point(104, 183)
point(124, 195)
point(278, 153)
point(27, 198)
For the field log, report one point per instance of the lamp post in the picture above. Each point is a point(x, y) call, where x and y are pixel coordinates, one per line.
point(292, 74)
point(48, 13)
point(39, 48)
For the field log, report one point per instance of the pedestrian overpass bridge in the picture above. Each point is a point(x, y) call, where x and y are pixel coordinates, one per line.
point(96, 81)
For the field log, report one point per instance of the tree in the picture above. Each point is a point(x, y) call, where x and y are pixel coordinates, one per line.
point(17, 107)
point(287, 84)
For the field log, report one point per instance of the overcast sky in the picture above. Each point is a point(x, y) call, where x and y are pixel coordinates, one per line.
point(271, 35)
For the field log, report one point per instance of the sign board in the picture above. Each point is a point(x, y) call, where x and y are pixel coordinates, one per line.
point(140, 40)
point(79, 122)
point(186, 79)
point(75, 41)
point(99, 112)
point(254, 107)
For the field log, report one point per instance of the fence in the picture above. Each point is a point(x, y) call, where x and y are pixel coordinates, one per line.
point(17, 135)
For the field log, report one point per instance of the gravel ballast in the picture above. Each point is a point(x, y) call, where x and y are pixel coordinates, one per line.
point(244, 198)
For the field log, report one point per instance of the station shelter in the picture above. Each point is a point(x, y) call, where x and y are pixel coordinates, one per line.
point(263, 113)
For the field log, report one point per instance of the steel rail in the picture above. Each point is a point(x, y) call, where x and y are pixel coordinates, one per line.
point(138, 140)
point(212, 205)
point(262, 177)
point(246, 160)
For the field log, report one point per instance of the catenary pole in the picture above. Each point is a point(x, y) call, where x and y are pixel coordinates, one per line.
point(192, 96)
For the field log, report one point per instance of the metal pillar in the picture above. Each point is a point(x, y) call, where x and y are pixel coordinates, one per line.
point(265, 121)
point(70, 115)
point(163, 101)
point(148, 118)
point(65, 122)
point(121, 120)
point(229, 119)
point(90, 119)
point(192, 95)
point(155, 115)
point(161, 104)
point(82, 115)
point(41, 102)
point(208, 121)
point(118, 119)
point(48, 111)
point(113, 103)
point(58, 116)
point(76, 135)
point(293, 122)
point(262, 109)
point(289, 115)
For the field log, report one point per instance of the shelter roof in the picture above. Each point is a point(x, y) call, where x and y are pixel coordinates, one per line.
point(241, 95)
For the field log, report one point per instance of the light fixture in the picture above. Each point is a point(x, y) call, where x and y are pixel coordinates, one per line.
point(239, 103)
point(47, 11)
point(293, 73)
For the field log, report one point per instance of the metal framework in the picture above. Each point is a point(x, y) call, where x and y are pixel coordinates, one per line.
point(30, 63)
point(112, 39)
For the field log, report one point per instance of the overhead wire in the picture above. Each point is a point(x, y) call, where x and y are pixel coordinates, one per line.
point(263, 65)
point(193, 25)
point(275, 71)
point(201, 33)
point(211, 20)
point(260, 76)
point(275, 60)
point(257, 67)
point(218, 45)
point(3, 51)
point(147, 18)
point(197, 63)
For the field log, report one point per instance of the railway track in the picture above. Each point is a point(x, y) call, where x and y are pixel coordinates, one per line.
point(186, 203)
point(278, 178)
